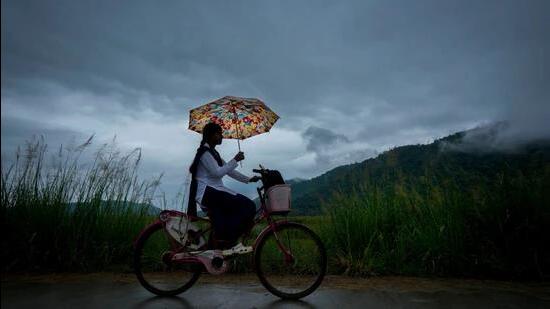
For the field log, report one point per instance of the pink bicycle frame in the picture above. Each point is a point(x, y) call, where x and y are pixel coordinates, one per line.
point(176, 255)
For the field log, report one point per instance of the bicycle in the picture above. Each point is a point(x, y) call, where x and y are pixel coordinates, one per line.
point(289, 258)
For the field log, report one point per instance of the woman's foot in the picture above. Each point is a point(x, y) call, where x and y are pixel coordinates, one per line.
point(237, 249)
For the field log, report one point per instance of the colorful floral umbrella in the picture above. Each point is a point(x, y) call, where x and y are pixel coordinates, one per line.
point(239, 118)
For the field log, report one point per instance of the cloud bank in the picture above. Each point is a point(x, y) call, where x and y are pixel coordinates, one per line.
point(348, 79)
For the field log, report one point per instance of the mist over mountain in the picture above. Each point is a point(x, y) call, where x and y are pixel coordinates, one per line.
point(470, 159)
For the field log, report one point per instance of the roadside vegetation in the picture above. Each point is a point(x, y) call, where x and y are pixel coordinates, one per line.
point(501, 230)
point(59, 214)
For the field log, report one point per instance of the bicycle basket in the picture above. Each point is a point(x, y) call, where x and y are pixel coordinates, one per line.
point(278, 199)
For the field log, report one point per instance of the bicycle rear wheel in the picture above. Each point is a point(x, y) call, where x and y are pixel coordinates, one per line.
point(299, 271)
point(153, 267)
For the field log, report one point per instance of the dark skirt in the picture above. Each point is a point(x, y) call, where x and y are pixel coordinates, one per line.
point(231, 215)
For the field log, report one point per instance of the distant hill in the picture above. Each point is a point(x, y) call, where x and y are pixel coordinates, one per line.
point(294, 181)
point(450, 159)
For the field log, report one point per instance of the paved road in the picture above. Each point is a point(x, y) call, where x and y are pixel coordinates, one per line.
point(109, 292)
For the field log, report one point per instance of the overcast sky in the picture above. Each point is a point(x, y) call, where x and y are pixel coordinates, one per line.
point(349, 79)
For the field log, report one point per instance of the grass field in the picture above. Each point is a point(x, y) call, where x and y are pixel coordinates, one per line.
point(61, 215)
point(502, 234)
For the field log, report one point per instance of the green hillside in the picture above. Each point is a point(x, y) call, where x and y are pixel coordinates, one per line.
point(414, 167)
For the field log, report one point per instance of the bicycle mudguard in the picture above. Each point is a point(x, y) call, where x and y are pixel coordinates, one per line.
point(163, 217)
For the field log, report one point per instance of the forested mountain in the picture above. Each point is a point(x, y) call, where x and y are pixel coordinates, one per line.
point(453, 161)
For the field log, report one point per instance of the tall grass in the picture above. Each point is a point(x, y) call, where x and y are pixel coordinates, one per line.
point(63, 214)
point(375, 234)
point(501, 230)
point(60, 213)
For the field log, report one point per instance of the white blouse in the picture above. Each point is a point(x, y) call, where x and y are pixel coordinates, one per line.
point(209, 173)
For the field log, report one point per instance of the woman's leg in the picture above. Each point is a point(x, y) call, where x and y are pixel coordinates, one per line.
point(238, 214)
point(246, 212)
point(218, 202)
point(231, 215)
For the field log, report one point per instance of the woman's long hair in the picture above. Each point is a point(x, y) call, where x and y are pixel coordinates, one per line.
point(207, 131)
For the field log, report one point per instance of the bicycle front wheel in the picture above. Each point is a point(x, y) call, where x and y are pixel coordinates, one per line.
point(290, 260)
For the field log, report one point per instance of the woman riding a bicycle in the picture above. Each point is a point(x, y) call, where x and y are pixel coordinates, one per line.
point(231, 213)
point(289, 258)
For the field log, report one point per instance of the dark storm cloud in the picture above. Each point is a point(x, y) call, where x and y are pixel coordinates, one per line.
point(373, 74)
point(320, 138)
point(332, 149)
point(429, 53)
point(15, 130)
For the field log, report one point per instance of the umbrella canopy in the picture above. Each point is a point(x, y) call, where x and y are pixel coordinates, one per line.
point(239, 118)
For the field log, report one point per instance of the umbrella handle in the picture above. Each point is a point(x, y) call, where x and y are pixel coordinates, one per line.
point(239, 144)
point(236, 120)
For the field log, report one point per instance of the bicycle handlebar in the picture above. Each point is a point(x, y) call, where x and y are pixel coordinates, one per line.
point(262, 170)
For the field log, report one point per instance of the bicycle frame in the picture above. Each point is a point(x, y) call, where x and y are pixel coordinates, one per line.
point(272, 225)
point(179, 255)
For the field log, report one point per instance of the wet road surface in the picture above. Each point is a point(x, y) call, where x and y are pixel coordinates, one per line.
point(123, 291)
